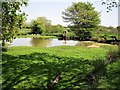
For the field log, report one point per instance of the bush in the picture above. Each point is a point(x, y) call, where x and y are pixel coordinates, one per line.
point(113, 56)
point(4, 49)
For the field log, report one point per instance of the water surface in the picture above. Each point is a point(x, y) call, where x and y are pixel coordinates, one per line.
point(38, 42)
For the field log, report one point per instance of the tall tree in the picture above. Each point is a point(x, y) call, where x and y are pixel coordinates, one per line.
point(12, 19)
point(40, 25)
point(82, 17)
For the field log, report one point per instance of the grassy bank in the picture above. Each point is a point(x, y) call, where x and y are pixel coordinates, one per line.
point(30, 67)
point(65, 51)
point(34, 36)
point(24, 33)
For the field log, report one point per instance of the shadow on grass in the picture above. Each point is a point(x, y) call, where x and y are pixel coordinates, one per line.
point(37, 70)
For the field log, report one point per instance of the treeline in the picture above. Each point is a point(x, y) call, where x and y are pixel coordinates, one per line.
point(42, 26)
point(106, 34)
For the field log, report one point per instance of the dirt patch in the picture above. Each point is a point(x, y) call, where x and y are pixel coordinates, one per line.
point(96, 45)
point(91, 44)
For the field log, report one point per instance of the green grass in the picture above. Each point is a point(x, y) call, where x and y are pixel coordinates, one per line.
point(34, 36)
point(31, 67)
point(65, 51)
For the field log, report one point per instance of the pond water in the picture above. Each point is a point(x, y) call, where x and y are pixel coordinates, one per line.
point(37, 42)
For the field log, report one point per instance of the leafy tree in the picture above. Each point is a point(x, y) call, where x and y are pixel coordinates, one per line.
point(83, 18)
point(57, 29)
point(12, 19)
point(37, 27)
point(105, 30)
point(118, 28)
point(112, 30)
point(40, 25)
point(46, 22)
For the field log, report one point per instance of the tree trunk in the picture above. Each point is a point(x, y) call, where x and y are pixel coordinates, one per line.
point(3, 43)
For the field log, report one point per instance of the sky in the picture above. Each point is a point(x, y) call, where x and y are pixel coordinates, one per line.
point(52, 10)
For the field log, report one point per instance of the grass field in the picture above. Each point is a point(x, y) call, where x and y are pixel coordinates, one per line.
point(30, 67)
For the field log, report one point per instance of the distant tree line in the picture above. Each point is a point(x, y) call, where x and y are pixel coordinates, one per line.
point(43, 26)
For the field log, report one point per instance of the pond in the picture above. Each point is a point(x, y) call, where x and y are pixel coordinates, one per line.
point(37, 42)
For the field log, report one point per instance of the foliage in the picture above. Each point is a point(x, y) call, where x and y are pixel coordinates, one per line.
point(38, 69)
point(29, 67)
point(111, 4)
point(37, 27)
point(57, 29)
point(69, 51)
point(71, 34)
point(113, 73)
point(24, 31)
point(118, 27)
point(12, 19)
point(83, 18)
point(113, 56)
point(112, 30)
point(40, 25)
point(34, 36)
point(105, 33)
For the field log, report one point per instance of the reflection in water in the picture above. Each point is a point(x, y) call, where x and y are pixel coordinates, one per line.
point(21, 42)
point(37, 42)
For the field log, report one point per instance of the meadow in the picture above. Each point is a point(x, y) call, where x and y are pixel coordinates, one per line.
point(32, 67)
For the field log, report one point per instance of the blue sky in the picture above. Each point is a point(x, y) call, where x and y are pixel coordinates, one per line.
point(52, 10)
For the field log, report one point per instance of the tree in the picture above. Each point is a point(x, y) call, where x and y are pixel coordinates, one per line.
point(40, 25)
point(37, 27)
point(112, 30)
point(83, 18)
point(110, 4)
point(46, 22)
point(12, 19)
point(57, 29)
